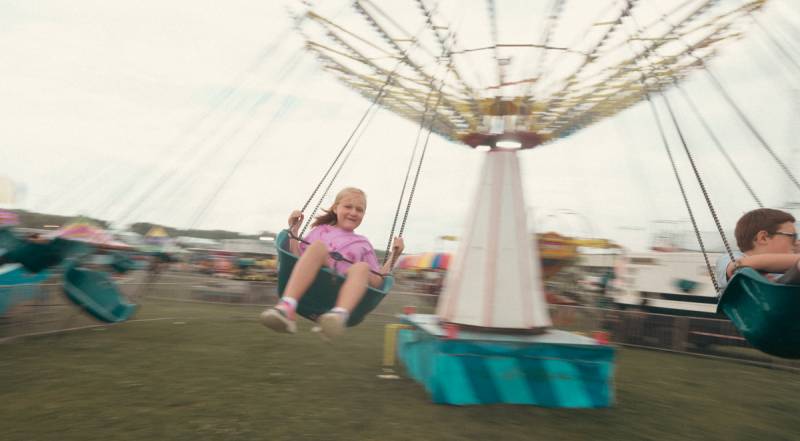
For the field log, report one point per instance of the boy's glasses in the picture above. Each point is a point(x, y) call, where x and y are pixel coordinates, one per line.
point(792, 235)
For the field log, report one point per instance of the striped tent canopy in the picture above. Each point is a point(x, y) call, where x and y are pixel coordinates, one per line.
point(91, 233)
point(157, 240)
point(156, 234)
point(425, 261)
point(8, 218)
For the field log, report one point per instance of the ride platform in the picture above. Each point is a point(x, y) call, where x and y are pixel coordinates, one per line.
point(552, 369)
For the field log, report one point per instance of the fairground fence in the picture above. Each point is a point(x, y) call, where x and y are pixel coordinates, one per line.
point(31, 310)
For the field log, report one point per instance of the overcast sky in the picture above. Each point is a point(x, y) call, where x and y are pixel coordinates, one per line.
point(102, 100)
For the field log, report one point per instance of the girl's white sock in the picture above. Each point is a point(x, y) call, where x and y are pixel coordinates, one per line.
point(290, 301)
point(342, 311)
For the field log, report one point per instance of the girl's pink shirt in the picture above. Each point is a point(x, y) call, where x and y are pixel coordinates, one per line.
point(352, 246)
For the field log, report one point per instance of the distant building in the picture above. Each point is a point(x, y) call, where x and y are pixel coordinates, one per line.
point(198, 242)
point(251, 247)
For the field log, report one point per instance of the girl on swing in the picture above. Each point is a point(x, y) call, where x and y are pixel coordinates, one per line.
point(331, 232)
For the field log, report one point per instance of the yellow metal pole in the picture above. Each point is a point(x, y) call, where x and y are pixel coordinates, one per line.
point(390, 342)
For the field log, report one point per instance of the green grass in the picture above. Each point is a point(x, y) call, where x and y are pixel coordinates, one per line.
point(213, 373)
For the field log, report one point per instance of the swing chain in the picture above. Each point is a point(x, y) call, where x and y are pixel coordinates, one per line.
point(419, 164)
point(719, 146)
point(718, 85)
point(752, 128)
point(402, 59)
point(699, 178)
point(405, 180)
point(683, 192)
point(665, 143)
point(339, 155)
point(408, 171)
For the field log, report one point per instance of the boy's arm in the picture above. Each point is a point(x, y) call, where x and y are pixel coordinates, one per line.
point(771, 263)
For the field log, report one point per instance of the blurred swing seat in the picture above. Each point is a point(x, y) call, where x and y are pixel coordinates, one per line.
point(163, 257)
point(36, 257)
point(18, 285)
point(121, 263)
point(767, 314)
point(321, 296)
point(97, 294)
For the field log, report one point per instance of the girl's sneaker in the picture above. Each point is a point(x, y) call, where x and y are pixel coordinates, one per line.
point(281, 318)
point(333, 323)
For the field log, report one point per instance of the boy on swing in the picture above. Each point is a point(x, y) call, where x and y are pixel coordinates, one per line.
point(767, 239)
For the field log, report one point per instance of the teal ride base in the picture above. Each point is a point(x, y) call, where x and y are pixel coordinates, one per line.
point(554, 369)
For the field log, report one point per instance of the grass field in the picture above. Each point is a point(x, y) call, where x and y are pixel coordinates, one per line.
point(190, 371)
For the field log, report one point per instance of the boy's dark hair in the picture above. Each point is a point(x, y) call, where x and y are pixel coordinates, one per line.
point(760, 219)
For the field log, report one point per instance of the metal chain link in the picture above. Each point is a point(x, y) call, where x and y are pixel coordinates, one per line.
point(683, 190)
point(751, 127)
point(411, 162)
point(341, 151)
point(698, 177)
point(701, 62)
point(405, 180)
point(665, 143)
point(378, 96)
point(719, 145)
point(335, 175)
point(419, 169)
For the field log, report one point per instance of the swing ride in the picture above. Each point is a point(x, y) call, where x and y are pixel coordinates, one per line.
point(461, 72)
point(466, 77)
point(93, 291)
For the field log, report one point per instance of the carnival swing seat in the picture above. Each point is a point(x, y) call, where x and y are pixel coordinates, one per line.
point(162, 257)
point(97, 294)
point(36, 257)
point(323, 292)
point(18, 285)
point(121, 263)
point(767, 314)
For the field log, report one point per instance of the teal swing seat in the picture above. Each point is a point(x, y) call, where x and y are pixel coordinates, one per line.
point(322, 294)
point(767, 314)
point(36, 257)
point(18, 285)
point(121, 263)
point(97, 294)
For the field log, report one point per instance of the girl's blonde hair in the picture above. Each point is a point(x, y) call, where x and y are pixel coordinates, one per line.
point(329, 216)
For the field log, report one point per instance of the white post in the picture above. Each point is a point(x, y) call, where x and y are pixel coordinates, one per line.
point(494, 280)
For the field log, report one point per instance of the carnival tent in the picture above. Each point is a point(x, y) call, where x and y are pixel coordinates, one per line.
point(8, 218)
point(425, 261)
point(92, 234)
